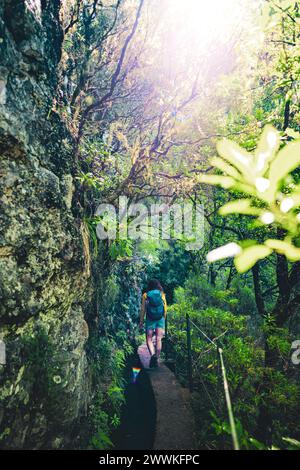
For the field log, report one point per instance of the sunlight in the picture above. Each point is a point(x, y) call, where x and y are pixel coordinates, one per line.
point(209, 19)
point(202, 34)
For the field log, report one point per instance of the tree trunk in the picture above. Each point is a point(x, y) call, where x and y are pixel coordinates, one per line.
point(230, 276)
point(260, 304)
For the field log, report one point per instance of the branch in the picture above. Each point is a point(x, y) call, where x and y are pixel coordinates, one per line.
point(74, 19)
point(115, 76)
point(222, 227)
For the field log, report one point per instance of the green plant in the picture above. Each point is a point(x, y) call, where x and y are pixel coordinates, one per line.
point(88, 179)
point(121, 248)
point(115, 421)
point(107, 356)
point(42, 366)
point(271, 195)
point(91, 225)
point(101, 441)
point(244, 360)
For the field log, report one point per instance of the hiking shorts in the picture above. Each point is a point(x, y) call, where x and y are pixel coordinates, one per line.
point(153, 324)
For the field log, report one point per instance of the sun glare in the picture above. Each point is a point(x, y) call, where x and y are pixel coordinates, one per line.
point(202, 31)
point(200, 36)
point(207, 20)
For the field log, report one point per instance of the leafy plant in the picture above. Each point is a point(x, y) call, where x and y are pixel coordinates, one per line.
point(107, 361)
point(271, 195)
point(121, 248)
point(244, 360)
point(101, 441)
point(91, 224)
point(89, 180)
point(115, 421)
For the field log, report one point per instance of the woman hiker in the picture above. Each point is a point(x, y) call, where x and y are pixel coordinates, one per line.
point(154, 305)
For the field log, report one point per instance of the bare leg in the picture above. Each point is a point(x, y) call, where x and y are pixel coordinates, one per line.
point(150, 344)
point(159, 334)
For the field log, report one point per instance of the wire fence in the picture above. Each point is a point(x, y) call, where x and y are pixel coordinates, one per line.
point(189, 359)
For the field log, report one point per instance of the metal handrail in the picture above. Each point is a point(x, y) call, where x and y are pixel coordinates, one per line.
point(219, 350)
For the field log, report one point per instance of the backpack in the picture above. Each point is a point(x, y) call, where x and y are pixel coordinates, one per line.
point(154, 305)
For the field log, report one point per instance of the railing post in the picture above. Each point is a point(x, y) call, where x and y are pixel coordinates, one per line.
point(166, 339)
point(189, 349)
point(219, 392)
point(234, 435)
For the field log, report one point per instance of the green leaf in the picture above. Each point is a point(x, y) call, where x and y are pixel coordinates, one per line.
point(293, 442)
point(258, 445)
point(291, 133)
point(286, 161)
point(249, 256)
point(227, 183)
point(241, 206)
point(224, 181)
point(235, 155)
point(105, 439)
point(225, 251)
point(284, 248)
point(267, 147)
point(225, 168)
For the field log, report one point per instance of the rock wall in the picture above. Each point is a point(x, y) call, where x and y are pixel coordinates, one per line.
point(44, 385)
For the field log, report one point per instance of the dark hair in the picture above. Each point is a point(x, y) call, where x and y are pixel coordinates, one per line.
point(154, 284)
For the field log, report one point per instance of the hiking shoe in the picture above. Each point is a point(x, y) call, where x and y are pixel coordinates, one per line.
point(153, 361)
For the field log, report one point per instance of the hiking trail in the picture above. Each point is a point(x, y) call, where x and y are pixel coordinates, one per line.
point(174, 424)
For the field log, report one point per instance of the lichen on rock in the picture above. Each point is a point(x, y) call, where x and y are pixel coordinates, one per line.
point(41, 251)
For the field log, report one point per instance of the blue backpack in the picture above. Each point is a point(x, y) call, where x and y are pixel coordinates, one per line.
point(154, 305)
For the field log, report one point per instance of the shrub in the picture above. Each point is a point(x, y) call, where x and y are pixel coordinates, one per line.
point(244, 362)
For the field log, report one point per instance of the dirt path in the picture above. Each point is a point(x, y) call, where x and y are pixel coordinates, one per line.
point(174, 427)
